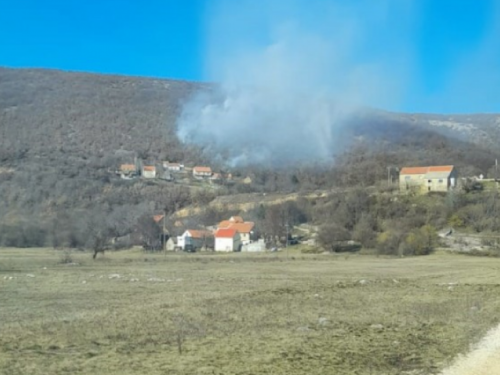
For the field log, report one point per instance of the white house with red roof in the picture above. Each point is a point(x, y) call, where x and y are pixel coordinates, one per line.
point(428, 179)
point(244, 228)
point(128, 170)
point(202, 172)
point(149, 171)
point(227, 239)
point(173, 167)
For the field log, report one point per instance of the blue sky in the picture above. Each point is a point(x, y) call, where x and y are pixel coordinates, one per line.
point(406, 55)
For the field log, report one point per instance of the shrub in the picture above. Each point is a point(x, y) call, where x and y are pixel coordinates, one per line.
point(331, 235)
point(420, 242)
point(65, 257)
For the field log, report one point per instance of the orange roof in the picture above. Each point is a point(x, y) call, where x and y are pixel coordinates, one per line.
point(225, 233)
point(149, 168)
point(202, 169)
point(199, 233)
point(127, 167)
point(245, 227)
point(441, 168)
point(158, 218)
point(424, 170)
point(236, 219)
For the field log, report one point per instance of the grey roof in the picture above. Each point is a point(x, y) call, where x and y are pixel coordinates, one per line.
point(434, 175)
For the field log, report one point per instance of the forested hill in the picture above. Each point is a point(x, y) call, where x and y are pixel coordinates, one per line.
point(92, 115)
point(61, 133)
point(43, 111)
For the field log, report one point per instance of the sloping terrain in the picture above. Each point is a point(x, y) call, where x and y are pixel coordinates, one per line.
point(46, 111)
point(63, 133)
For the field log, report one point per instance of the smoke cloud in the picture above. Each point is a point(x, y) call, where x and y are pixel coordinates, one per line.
point(289, 77)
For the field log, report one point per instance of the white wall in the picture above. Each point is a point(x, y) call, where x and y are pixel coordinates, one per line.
point(184, 240)
point(245, 238)
point(258, 246)
point(224, 244)
point(149, 174)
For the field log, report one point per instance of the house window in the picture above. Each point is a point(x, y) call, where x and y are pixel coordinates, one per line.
point(440, 181)
point(429, 181)
point(407, 177)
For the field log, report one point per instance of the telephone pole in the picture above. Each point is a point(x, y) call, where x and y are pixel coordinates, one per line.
point(286, 239)
point(163, 232)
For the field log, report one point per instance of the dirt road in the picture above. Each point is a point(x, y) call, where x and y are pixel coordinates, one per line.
point(483, 359)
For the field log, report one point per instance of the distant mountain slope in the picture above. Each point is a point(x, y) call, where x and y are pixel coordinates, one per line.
point(482, 129)
point(91, 114)
point(46, 110)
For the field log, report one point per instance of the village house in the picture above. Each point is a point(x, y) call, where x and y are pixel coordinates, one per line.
point(202, 172)
point(247, 180)
point(128, 170)
point(439, 178)
point(149, 171)
point(173, 167)
point(227, 239)
point(158, 219)
point(216, 176)
point(192, 240)
point(244, 228)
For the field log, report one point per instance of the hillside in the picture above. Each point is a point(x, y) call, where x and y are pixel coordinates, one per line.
point(63, 133)
point(45, 111)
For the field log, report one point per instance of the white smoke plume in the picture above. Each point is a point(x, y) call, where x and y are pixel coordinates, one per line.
point(287, 79)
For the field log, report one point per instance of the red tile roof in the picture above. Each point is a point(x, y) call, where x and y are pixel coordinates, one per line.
point(245, 227)
point(158, 218)
point(127, 167)
point(225, 233)
point(149, 168)
point(441, 168)
point(424, 170)
point(202, 169)
point(199, 233)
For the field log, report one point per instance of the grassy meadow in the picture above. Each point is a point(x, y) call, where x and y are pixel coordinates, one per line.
point(135, 313)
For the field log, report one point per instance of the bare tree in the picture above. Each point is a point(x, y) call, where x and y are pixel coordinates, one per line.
point(97, 232)
point(150, 232)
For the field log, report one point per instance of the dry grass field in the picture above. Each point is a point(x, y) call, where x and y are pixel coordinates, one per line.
point(135, 313)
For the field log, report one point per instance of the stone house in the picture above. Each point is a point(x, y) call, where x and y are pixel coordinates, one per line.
point(439, 178)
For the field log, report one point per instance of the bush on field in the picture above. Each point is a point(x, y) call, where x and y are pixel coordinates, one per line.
point(421, 241)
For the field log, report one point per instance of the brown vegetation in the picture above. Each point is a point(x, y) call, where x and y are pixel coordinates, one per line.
point(62, 135)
